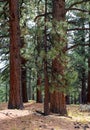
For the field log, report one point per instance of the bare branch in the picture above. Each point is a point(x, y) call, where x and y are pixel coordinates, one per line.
point(76, 3)
point(74, 46)
point(86, 11)
point(73, 29)
point(41, 15)
point(5, 36)
point(3, 0)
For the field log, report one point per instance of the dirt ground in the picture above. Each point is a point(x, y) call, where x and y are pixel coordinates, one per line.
point(29, 119)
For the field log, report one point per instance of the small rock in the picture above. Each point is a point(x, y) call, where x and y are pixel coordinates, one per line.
point(74, 123)
point(52, 128)
point(77, 127)
point(41, 121)
point(86, 126)
point(44, 126)
point(6, 114)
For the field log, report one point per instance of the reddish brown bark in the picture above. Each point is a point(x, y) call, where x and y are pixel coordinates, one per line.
point(15, 96)
point(57, 98)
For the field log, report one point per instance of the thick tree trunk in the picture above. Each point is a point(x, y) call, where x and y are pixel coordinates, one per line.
point(15, 96)
point(57, 98)
point(57, 103)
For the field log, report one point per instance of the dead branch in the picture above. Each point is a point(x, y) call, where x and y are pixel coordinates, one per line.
point(77, 3)
point(82, 10)
point(74, 46)
point(3, 0)
point(74, 29)
point(41, 15)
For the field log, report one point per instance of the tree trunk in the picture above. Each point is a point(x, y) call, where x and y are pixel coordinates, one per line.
point(23, 80)
point(46, 98)
point(39, 94)
point(83, 69)
point(23, 74)
point(88, 89)
point(57, 98)
point(29, 85)
point(6, 93)
point(67, 99)
point(83, 92)
point(15, 95)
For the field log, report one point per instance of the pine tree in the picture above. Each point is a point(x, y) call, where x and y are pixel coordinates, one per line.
point(15, 96)
point(57, 98)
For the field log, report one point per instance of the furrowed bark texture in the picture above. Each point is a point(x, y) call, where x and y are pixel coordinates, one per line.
point(15, 96)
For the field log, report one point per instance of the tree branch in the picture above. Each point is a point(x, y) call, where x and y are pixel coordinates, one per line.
point(74, 46)
point(4, 36)
point(41, 15)
point(82, 10)
point(72, 22)
point(73, 29)
point(3, 0)
point(80, 2)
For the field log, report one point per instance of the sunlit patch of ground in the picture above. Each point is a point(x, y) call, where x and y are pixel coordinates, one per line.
point(77, 115)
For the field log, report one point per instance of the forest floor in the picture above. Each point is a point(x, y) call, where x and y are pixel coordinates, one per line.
point(29, 119)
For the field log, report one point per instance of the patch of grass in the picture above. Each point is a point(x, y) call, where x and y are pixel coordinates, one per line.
point(76, 115)
point(31, 101)
point(14, 129)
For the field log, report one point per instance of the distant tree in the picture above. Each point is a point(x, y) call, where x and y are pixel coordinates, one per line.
point(46, 78)
point(23, 74)
point(39, 93)
point(78, 40)
point(88, 88)
point(39, 80)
